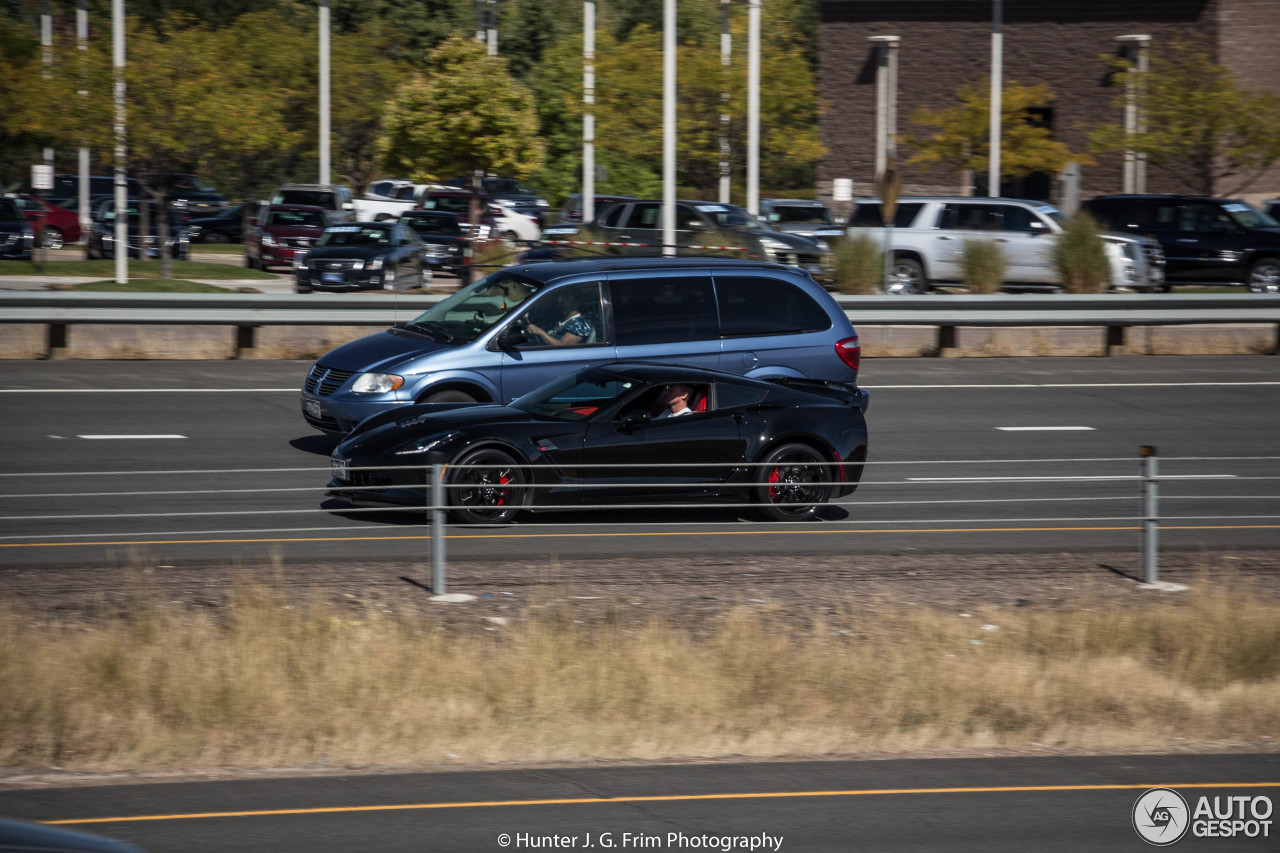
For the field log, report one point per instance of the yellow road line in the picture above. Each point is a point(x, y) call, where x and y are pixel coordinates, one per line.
point(658, 799)
point(597, 535)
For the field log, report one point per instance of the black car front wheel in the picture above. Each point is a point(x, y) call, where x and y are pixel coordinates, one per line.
point(792, 483)
point(486, 486)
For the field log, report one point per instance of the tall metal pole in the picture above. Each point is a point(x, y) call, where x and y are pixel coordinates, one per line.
point(491, 36)
point(726, 57)
point(82, 45)
point(324, 92)
point(753, 107)
point(668, 127)
point(1134, 48)
point(997, 86)
point(122, 195)
point(588, 111)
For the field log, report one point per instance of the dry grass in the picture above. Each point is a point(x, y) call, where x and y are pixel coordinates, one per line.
point(275, 682)
point(983, 265)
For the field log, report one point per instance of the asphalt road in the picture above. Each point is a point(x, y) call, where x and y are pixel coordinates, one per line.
point(212, 460)
point(974, 804)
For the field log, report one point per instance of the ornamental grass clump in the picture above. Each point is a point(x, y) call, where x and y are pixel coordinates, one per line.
point(1080, 256)
point(982, 265)
point(858, 264)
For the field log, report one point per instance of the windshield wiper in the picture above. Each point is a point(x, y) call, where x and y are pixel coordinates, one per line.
point(435, 328)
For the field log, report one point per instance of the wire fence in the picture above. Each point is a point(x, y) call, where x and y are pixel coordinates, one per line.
point(1120, 492)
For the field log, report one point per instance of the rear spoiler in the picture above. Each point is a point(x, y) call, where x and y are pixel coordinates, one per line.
point(850, 393)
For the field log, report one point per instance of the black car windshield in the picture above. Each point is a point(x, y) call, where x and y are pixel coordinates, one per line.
point(1246, 217)
point(432, 223)
point(355, 235)
point(808, 214)
point(576, 396)
point(475, 309)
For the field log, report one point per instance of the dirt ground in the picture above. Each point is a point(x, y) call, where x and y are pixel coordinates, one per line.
point(688, 591)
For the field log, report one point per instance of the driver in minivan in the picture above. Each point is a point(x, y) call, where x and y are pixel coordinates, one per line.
point(573, 329)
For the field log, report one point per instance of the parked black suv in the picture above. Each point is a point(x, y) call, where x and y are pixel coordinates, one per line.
point(1205, 240)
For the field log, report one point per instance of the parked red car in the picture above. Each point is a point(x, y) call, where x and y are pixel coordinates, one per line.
point(55, 226)
point(279, 231)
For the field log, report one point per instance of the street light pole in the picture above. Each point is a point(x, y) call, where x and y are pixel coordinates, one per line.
point(1136, 49)
point(324, 92)
point(668, 127)
point(753, 107)
point(997, 85)
point(588, 111)
point(122, 196)
point(82, 45)
point(726, 56)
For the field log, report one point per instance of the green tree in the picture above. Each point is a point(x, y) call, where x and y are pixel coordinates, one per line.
point(465, 114)
point(1203, 132)
point(956, 138)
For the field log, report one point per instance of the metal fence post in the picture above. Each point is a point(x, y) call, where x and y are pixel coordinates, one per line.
point(437, 513)
point(1150, 514)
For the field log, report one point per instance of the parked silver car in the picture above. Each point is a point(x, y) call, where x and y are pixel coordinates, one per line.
point(806, 217)
point(929, 233)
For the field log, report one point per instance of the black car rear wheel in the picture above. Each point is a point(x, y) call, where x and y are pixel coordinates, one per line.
point(486, 486)
point(790, 483)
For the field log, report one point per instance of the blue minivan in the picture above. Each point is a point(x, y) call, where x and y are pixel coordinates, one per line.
point(522, 326)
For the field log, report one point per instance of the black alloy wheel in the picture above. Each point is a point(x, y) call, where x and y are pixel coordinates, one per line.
point(792, 483)
point(486, 486)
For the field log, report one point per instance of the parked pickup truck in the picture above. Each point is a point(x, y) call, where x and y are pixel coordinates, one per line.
point(388, 199)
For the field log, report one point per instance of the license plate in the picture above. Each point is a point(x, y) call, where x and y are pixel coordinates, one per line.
point(311, 406)
point(339, 468)
point(331, 277)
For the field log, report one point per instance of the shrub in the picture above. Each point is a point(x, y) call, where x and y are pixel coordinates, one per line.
point(983, 265)
point(1080, 256)
point(858, 264)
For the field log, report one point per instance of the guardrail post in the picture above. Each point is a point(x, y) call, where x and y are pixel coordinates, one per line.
point(437, 512)
point(1115, 340)
point(1150, 515)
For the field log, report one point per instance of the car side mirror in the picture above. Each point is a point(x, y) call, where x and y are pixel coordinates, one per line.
point(346, 205)
point(631, 420)
point(513, 338)
point(1038, 228)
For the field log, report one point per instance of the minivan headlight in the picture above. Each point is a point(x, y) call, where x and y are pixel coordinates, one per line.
point(376, 383)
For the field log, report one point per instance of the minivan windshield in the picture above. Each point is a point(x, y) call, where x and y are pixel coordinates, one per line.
point(475, 309)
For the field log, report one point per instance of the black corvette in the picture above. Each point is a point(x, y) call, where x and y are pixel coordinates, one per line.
point(595, 437)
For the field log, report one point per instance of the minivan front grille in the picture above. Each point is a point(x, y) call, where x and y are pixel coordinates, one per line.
point(322, 381)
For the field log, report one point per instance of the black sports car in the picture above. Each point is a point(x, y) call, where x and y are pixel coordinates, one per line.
point(601, 434)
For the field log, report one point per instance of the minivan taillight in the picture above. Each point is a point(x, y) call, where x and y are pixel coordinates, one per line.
point(850, 351)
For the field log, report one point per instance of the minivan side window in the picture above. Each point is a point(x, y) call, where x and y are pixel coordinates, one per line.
point(644, 215)
point(664, 310)
point(759, 305)
point(574, 309)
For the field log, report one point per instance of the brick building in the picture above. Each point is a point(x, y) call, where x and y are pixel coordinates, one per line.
point(945, 43)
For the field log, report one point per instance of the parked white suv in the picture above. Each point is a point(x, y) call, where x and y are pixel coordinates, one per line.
point(929, 234)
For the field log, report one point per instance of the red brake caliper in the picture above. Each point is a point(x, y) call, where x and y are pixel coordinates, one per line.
point(774, 476)
point(503, 479)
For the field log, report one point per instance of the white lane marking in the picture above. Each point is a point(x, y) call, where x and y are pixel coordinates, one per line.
point(1068, 385)
point(1047, 429)
point(129, 436)
point(1043, 479)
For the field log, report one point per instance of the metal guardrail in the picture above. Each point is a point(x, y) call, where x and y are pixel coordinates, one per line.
point(382, 308)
